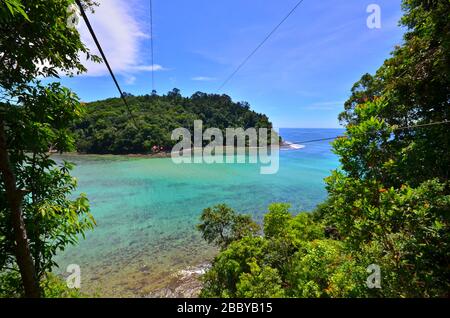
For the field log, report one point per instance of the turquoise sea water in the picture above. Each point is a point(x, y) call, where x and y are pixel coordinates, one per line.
point(147, 209)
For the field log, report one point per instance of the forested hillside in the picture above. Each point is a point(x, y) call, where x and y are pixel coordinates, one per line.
point(108, 127)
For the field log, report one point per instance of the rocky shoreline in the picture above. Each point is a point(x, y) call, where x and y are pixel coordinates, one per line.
point(183, 284)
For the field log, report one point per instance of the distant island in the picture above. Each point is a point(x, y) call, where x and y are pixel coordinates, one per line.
point(109, 128)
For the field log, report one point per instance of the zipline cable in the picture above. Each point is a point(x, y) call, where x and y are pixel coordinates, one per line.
point(99, 47)
point(259, 45)
point(151, 45)
point(393, 128)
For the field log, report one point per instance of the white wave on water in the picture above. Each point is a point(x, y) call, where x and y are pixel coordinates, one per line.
point(290, 145)
point(198, 270)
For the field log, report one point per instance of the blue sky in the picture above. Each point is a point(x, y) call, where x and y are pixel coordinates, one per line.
point(299, 78)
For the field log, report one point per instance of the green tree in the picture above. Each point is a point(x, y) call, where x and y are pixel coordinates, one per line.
point(238, 258)
point(410, 88)
point(392, 191)
point(260, 282)
point(221, 225)
point(277, 220)
point(36, 216)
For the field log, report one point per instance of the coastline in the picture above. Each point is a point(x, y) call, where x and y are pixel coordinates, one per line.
point(285, 145)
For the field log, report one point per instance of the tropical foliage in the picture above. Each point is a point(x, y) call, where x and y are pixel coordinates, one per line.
point(389, 203)
point(38, 214)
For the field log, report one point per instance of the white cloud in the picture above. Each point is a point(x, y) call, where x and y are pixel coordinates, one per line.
point(121, 37)
point(203, 78)
point(148, 68)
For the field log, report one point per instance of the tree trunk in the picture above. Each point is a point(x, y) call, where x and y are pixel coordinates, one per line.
point(15, 197)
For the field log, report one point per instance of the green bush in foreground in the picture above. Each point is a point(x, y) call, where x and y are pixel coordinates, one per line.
point(295, 259)
point(298, 257)
point(51, 285)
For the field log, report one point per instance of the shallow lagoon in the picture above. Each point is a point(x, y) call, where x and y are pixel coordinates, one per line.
point(146, 209)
